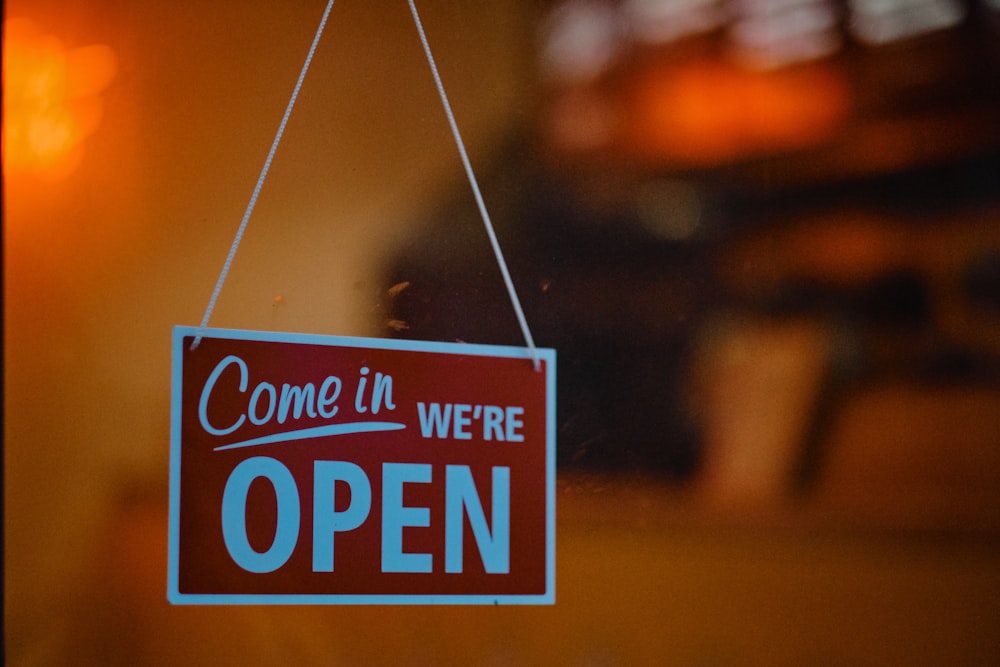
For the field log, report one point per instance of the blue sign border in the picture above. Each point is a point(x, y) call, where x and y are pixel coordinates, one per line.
point(546, 354)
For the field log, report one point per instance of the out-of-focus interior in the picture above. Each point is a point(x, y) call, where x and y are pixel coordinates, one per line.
point(762, 235)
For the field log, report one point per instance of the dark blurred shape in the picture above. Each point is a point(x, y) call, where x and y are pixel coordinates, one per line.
point(618, 303)
point(762, 165)
point(981, 281)
point(899, 299)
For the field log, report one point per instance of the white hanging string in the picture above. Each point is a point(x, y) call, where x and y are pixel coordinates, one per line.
point(518, 311)
point(260, 180)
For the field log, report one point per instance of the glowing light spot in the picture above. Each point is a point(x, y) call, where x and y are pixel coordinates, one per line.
point(877, 22)
point(661, 21)
point(581, 39)
point(50, 99)
point(707, 113)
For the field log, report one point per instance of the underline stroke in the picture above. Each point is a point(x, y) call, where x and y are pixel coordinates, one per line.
point(315, 432)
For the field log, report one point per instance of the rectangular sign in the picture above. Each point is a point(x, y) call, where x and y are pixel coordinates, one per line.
point(327, 470)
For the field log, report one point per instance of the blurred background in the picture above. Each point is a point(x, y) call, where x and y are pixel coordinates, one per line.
point(763, 235)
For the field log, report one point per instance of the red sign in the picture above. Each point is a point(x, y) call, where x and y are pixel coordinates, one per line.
point(315, 469)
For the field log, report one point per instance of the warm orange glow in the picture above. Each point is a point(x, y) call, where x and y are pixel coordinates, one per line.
point(708, 113)
point(50, 98)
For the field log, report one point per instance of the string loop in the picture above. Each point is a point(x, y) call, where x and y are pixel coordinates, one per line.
point(484, 214)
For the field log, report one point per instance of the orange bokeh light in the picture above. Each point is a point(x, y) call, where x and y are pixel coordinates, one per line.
point(51, 99)
point(708, 113)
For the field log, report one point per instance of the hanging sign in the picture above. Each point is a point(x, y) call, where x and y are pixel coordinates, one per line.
point(316, 469)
